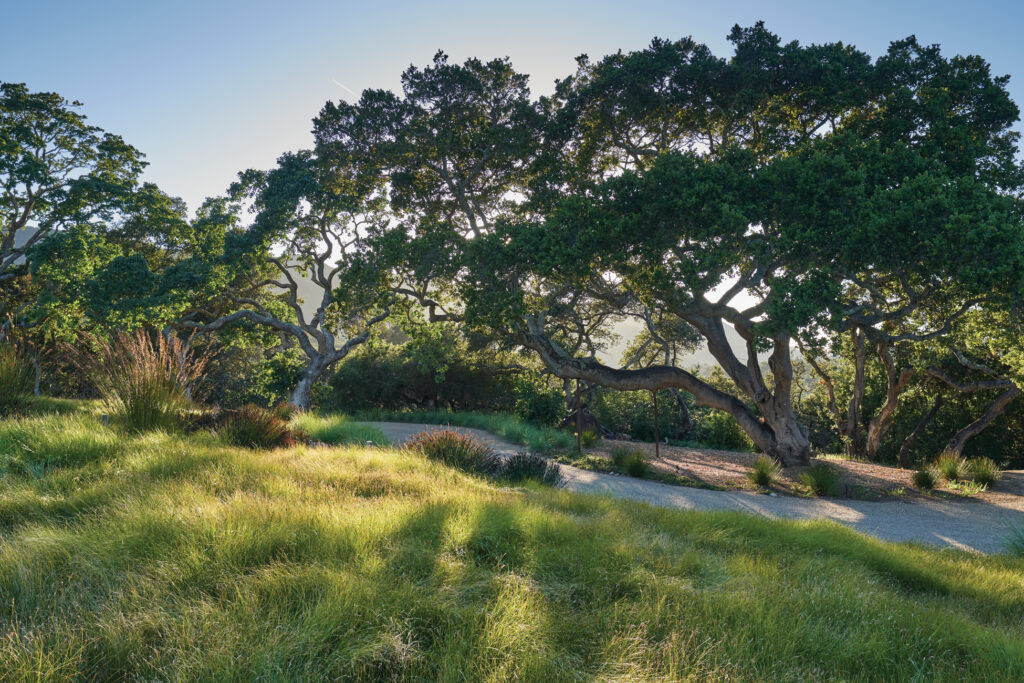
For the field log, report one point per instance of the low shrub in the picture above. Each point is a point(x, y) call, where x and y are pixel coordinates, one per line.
point(527, 466)
point(951, 467)
point(721, 430)
point(984, 471)
point(764, 471)
point(630, 460)
point(632, 412)
point(925, 478)
point(821, 480)
point(254, 427)
point(456, 449)
point(16, 379)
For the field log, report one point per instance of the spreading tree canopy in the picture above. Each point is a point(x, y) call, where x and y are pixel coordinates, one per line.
point(792, 192)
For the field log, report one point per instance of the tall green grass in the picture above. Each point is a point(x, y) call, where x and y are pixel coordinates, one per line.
point(508, 427)
point(169, 556)
point(16, 378)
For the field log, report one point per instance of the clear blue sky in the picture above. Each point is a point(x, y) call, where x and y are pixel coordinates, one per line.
point(206, 89)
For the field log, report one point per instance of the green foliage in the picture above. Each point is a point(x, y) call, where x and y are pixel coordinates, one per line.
point(536, 400)
point(764, 471)
point(457, 449)
point(951, 467)
point(16, 378)
point(926, 478)
point(530, 467)
point(984, 471)
point(966, 488)
point(242, 373)
point(363, 564)
point(632, 412)
point(57, 170)
point(720, 430)
point(821, 480)
point(255, 427)
point(439, 366)
point(632, 461)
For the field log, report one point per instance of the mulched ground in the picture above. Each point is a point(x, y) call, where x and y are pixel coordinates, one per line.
point(859, 480)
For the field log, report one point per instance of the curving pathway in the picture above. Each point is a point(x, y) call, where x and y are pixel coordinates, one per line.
point(967, 524)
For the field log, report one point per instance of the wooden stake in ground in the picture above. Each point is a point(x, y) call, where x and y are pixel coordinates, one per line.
point(657, 438)
point(579, 428)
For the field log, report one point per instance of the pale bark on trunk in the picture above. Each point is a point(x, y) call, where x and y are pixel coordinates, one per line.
point(303, 393)
point(851, 429)
point(777, 431)
point(686, 422)
point(995, 409)
point(907, 449)
point(896, 382)
point(848, 424)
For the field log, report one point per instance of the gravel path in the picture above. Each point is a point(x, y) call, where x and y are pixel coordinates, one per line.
point(964, 524)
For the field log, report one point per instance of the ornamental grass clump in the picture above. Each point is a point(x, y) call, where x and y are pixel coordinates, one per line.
point(632, 461)
point(254, 427)
point(456, 449)
point(952, 467)
point(147, 380)
point(984, 471)
point(530, 467)
point(764, 471)
point(821, 480)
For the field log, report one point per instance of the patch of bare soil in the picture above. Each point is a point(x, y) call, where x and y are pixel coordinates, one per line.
point(858, 480)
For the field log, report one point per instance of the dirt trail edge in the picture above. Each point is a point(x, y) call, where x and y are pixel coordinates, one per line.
point(967, 525)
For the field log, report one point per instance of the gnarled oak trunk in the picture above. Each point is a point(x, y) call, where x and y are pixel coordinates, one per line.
point(776, 431)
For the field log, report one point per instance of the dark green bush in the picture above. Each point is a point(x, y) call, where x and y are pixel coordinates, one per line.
point(821, 480)
point(242, 375)
point(456, 449)
point(254, 427)
point(984, 471)
point(926, 478)
point(632, 461)
point(764, 471)
point(721, 430)
point(527, 466)
point(435, 374)
point(632, 412)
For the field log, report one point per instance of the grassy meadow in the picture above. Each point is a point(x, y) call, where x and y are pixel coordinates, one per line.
point(166, 556)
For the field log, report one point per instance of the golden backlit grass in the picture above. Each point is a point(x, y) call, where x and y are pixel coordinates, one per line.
point(165, 556)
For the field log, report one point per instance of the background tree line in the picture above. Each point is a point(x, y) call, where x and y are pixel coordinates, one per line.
point(856, 221)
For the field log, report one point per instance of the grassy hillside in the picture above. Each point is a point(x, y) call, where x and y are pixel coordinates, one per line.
point(163, 556)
